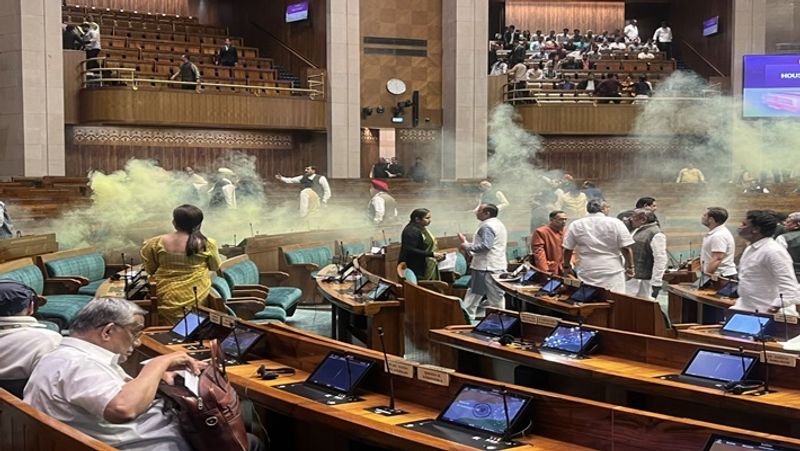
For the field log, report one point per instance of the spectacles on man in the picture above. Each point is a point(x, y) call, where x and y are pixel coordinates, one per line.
point(134, 335)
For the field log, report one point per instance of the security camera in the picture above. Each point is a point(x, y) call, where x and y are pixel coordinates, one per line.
point(380, 109)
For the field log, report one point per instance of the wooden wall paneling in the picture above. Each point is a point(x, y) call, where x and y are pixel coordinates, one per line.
point(686, 21)
point(370, 149)
point(413, 143)
point(72, 84)
point(405, 19)
point(180, 7)
point(175, 107)
point(578, 119)
point(556, 15)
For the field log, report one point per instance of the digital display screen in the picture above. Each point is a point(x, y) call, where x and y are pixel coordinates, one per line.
point(339, 372)
point(551, 286)
point(711, 26)
point(584, 294)
point(730, 290)
point(378, 292)
point(360, 283)
point(246, 338)
point(742, 324)
point(719, 366)
point(497, 324)
point(484, 409)
point(297, 12)
point(528, 277)
point(771, 86)
point(188, 324)
point(722, 443)
point(573, 340)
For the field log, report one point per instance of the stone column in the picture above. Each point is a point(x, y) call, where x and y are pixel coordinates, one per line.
point(32, 88)
point(464, 88)
point(343, 90)
point(749, 36)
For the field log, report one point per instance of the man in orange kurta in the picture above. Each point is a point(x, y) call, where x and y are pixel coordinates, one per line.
point(546, 243)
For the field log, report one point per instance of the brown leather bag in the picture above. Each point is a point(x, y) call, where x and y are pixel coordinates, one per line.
point(213, 421)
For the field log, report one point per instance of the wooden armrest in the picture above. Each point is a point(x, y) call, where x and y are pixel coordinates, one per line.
point(435, 285)
point(679, 326)
point(251, 287)
point(250, 293)
point(272, 278)
point(245, 308)
point(64, 285)
point(306, 266)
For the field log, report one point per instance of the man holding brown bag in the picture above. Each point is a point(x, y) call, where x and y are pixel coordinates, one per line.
point(81, 383)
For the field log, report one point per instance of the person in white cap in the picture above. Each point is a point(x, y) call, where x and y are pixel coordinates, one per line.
point(223, 193)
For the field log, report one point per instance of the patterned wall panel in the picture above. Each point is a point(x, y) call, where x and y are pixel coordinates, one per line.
point(140, 136)
point(427, 144)
point(555, 15)
point(180, 7)
point(404, 19)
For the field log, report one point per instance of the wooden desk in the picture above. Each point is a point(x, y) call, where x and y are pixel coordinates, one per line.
point(687, 304)
point(116, 289)
point(27, 246)
point(595, 313)
point(710, 334)
point(385, 314)
point(559, 421)
point(626, 372)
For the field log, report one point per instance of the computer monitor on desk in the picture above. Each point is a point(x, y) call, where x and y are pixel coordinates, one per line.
point(746, 325)
point(726, 443)
point(335, 379)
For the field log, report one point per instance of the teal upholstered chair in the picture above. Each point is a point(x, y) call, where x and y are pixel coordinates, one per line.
point(85, 265)
point(461, 276)
point(245, 279)
point(302, 262)
point(351, 249)
point(60, 307)
point(248, 308)
point(404, 273)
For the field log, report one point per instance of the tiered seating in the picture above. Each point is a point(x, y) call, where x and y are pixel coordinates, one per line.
point(32, 199)
point(153, 45)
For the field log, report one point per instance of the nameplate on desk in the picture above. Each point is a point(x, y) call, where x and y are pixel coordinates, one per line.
point(401, 367)
point(215, 318)
point(540, 320)
point(433, 374)
point(570, 282)
point(780, 317)
point(227, 322)
point(780, 359)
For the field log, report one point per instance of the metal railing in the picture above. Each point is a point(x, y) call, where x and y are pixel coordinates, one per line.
point(515, 96)
point(125, 76)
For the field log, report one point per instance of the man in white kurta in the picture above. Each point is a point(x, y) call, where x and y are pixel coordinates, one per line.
point(601, 243)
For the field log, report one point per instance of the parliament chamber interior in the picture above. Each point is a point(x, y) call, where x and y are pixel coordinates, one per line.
point(383, 224)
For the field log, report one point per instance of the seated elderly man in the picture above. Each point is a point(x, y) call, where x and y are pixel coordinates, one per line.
point(23, 340)
point(81, 383)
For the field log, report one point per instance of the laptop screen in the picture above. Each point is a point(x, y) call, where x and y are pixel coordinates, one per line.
point(528, 277)
point(483, 408)
point(573, 340)
point(584, 294)
point(246, 338)
point(722, 443)
point(189, 324)
point(497, 324)
point(340, 372)
point(360, 283)
point(551, 286)
point(730, 290)
point(742, 324)
point(378, 292)
point(719, 366)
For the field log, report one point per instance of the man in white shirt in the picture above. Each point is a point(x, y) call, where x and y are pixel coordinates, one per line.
point(649, 255)
point(488, 250)
point(223, 192)
point(601, 243)
point(645, 54)
point(716, 255)
point(767, 282)
point(631, 31)
point(790, 239)
point(314, 185)
point(23, 340)
point(663, 38)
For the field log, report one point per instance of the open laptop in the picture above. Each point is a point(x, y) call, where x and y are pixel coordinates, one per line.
point(334, 381)
point(571, 340)
point(745, 325)
point(550, 287)
point(497, 324)
point(479, 417)
point(714, 369)
point(725, 443)
point(585, 293)
point(730, 290)
point(528, 278)
point(184, 330)
point(379, 293)
point(237, 344)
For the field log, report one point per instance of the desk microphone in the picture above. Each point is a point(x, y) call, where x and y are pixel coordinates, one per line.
point(507, 430)
point(690, 249)
point(505, 338)
point(251, 230)
point(580, 337)
point(197, 312)
point(239, 356)
point(234, 239)
point(763, 338)
point(389, 410)
point(785, 322)
point(349, 395)
point(185, 324)
point(124, 273)
point(384, 237)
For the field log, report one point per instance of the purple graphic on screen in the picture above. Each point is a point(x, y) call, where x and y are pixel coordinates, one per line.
point(297, 11)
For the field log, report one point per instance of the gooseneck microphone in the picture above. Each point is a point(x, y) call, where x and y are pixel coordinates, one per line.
point(251, 230)
point(239, 356)
point(507, 429)
point(124, 273)
point(384, 237)
point(505, 338)
point(580, 337)
point(185, 324)
point(389, 410)
point(349, 395)
point(763, 338)
point(197, 312)
point(785, 322)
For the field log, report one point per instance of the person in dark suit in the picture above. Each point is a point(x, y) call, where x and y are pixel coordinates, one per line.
point(418, 246)
point(227, 55)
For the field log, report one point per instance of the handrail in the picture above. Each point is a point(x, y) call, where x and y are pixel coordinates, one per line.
point(705, 60)
point(572, 97)
point(285, 46)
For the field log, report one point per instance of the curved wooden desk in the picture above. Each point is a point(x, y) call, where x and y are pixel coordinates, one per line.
point(688, 304)
point(711, 334)
point(345, 306)
point(116, 289)
point(559, 421)
point(595, 313)
point(626, 371)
